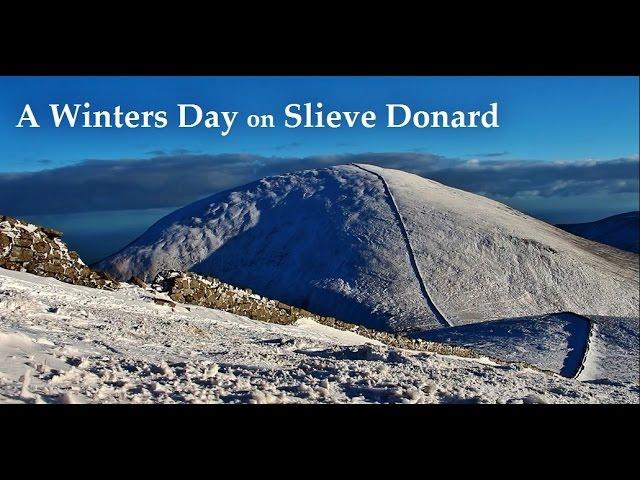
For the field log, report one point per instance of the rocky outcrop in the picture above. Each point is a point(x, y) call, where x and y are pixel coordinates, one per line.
point(191, 288)
point(39, 250)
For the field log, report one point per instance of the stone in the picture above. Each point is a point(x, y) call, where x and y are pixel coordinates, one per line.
point(137, 281)
point(23, 241)
point(52, 267)
point(5, 241)
point(51, 233)
point(12, 265)
point(177, 297)
point(41, 247)
point(107, 277)
point(211, 299)
point(162, 301)
point(20, 254)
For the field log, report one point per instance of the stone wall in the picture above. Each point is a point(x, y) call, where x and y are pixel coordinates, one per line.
point(188, 287)
point(39, 250)
point(191, 288)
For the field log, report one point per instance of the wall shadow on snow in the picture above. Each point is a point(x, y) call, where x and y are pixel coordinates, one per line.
point(556, 341)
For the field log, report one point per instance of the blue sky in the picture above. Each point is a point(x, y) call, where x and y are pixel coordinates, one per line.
point(542, 118)
point(566, 150)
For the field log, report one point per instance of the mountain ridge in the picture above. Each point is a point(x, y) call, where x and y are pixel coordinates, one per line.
point(620, 231)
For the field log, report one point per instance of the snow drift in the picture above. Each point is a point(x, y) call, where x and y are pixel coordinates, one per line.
point(386, 249)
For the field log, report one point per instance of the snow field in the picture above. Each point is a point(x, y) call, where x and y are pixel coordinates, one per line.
point(61, 343)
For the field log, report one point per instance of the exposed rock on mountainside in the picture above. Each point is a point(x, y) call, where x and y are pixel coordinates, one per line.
point(39, 250)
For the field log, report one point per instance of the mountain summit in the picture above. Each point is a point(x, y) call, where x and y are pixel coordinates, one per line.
point(386, 249)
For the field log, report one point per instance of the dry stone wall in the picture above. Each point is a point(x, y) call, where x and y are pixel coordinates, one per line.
point(188, 287)
point(191, 288)
point(39, 250)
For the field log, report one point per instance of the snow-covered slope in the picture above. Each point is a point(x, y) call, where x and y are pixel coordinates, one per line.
point(386, 249)
point(601, 349)
point(62, 343)
point(555, 342)
point(488, 261)
point(620, 231)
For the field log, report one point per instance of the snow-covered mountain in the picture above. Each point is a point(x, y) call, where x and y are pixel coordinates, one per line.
point(620, 231)
point(386, 249)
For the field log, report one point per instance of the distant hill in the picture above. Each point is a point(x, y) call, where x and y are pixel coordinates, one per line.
point(620, 231)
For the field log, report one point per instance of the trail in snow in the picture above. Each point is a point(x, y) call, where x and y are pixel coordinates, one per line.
point(412, 260)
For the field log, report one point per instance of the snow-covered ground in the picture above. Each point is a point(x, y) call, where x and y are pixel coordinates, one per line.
point(65, 343)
